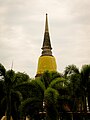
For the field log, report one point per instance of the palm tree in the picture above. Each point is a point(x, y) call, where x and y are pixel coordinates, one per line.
point(73, 76)
point(39, 87)
point(21, 78)
point(51, 99)
point(79, 85)
point(85, 83)
point(7, 85)
point(56, 91)
point(2, 94)
point(64, 100)
point(71, 69)
point(47, 77)
point(12, 98)
point(33, 95)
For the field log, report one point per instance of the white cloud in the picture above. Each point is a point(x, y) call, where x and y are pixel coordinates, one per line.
point(22, 30)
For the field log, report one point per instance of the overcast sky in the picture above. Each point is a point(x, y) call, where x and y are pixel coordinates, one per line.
point(22, 24)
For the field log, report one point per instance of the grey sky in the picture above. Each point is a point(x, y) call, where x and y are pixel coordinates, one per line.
point(22, 30)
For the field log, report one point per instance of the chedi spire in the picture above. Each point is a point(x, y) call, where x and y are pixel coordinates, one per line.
point(46, 48)
point(46, 61)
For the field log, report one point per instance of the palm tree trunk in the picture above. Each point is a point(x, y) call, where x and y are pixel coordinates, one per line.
point(8, 111)
point(85, 106)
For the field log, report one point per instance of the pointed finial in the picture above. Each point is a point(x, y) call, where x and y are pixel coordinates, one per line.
point(46, 25)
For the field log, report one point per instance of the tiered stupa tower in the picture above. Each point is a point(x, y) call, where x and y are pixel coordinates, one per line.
point(46, 61)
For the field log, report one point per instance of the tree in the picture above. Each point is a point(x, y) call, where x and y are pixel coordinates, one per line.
point(2, 93)
point(71, 69)
point(55, 85)
point(33, 103)
point(9, 79)
point(39, 86)
point(64, 100)
point(85, 84)
point(48, 77)
point(12, 98)
point(73, 77)
point(21, 77)
point(51, 98)
point(79, 84)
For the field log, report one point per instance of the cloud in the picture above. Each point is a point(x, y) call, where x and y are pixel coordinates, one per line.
point(22, 31)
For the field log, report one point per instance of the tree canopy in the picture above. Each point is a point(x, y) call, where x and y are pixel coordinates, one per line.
point(52, 92)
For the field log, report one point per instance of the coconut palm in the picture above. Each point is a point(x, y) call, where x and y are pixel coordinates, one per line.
point(51, 99)
point(64, 99)
point(47, 77)
point(71, 69)
point(56, 94)
point(33, 95)
point(2, 94)
point(85, 84)
point(79, 85)
point(36, 95)
point(73, 76)
point(11, 97)
point(11, 100)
